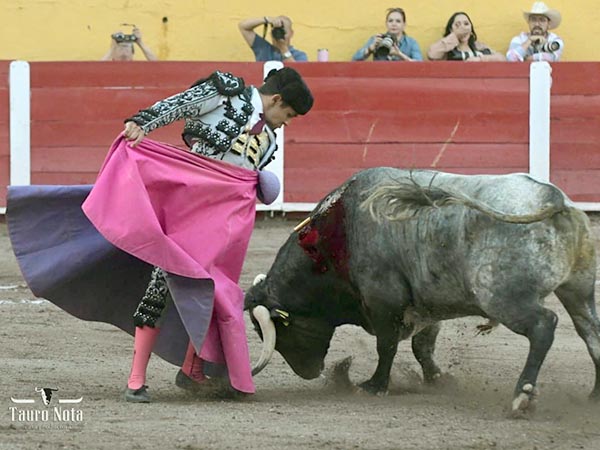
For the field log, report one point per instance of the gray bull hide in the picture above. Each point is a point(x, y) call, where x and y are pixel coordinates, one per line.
point(398, 251)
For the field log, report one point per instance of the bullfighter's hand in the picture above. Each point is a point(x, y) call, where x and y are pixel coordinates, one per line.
point(133, 133)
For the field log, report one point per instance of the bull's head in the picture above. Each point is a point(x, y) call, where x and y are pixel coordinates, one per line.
point(302, 339)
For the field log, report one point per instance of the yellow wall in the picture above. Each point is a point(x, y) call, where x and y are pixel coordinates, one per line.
point(206, 30)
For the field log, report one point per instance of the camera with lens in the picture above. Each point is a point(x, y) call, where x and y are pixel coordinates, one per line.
point(382, 50)
point(278, 33)
point(457, 55)
point(122, 37)
point(550, 47)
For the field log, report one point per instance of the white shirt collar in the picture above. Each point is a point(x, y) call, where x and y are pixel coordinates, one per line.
point(258, 107)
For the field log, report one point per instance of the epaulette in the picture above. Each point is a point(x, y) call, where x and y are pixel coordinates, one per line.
point(225, 82)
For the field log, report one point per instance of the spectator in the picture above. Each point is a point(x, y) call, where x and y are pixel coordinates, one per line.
point(539, 44)
point(394, 44)
point(460, 43)
point(281, 34)
point(122, 49)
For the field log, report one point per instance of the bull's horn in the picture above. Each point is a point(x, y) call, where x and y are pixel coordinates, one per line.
point(267, 327)
point(259, 279)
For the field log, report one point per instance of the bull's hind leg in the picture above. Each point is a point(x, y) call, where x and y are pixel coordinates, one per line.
point(578, 300)
point(537, 324)
point(423, 347)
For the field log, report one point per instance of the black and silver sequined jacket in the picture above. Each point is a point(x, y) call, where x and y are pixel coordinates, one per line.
point(216, 110)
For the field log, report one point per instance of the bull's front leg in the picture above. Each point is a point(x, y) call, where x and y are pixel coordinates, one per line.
point(387, 345)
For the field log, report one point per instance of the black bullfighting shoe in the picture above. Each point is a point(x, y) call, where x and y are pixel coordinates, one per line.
point(185, 382)
point(217, 387)
point(137, 395)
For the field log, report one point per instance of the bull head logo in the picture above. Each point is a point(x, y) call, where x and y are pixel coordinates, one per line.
point(46, 394)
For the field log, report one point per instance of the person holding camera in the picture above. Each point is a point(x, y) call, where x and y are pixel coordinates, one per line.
point(539, 44)
point(122, 49)
point(460, 43)
point(281, 48)
point(394, 44)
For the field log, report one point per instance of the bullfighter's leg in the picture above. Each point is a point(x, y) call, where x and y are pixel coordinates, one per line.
point(580, 305)
point(423, 347)
point(537, 324)
point(146, 319)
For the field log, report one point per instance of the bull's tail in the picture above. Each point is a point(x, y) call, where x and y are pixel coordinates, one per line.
point(404, 199)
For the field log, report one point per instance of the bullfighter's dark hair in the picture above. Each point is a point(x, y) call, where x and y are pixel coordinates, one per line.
point(288, 83)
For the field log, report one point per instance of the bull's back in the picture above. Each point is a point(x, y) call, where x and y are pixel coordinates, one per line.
point(452, 254)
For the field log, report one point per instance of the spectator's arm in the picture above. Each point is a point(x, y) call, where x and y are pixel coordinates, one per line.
point(247, 27)
point(109, 54)
point(491, 56)
point(415, 52)
point(365, 51)
point(299, 56)
point(150, 56)
point(517, 50)
point(438, 50)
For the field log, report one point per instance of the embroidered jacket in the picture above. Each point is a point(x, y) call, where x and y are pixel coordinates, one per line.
point(216, 110)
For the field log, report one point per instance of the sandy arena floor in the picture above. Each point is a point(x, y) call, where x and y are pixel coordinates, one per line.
point(42, 346)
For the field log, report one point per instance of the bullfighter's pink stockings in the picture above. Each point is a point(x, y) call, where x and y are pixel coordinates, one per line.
point(192, 365)
point(144, 340)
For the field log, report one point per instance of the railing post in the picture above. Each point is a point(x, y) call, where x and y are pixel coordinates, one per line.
point(540, 81)
point(277, 165)
point(20, 119)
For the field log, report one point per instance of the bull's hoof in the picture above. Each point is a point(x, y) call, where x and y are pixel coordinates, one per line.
point(525, 402)
point(441, 380)
point(373, 388)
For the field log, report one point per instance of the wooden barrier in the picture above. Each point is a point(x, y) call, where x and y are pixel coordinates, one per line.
point(463, 118)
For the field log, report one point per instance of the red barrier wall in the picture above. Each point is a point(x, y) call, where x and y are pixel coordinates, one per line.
point(461, 118)
point(575, 130)
point(464, 118)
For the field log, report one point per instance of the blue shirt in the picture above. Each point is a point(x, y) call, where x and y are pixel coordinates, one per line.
point(264, 51)
point(408, 46)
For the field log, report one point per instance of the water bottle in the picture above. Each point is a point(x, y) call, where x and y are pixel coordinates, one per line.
point(322, 55)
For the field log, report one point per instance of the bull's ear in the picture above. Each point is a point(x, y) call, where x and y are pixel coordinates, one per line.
point(280, 315)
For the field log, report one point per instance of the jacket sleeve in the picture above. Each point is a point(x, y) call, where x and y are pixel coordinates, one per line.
point(415, 51)
point(191, 103)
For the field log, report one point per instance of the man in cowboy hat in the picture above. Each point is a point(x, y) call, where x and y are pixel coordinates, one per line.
point(539, 44)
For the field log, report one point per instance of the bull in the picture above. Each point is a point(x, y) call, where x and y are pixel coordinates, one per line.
point(397, 251)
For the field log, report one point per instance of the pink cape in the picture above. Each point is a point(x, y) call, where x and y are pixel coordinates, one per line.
point(191, 216)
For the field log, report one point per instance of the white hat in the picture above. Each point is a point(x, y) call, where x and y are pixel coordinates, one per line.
point(540, 8)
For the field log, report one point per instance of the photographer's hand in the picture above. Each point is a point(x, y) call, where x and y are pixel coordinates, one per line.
point(149, 54)
point(278, 22)
point(403, 56)
point(138, 35)
point(134, 133)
